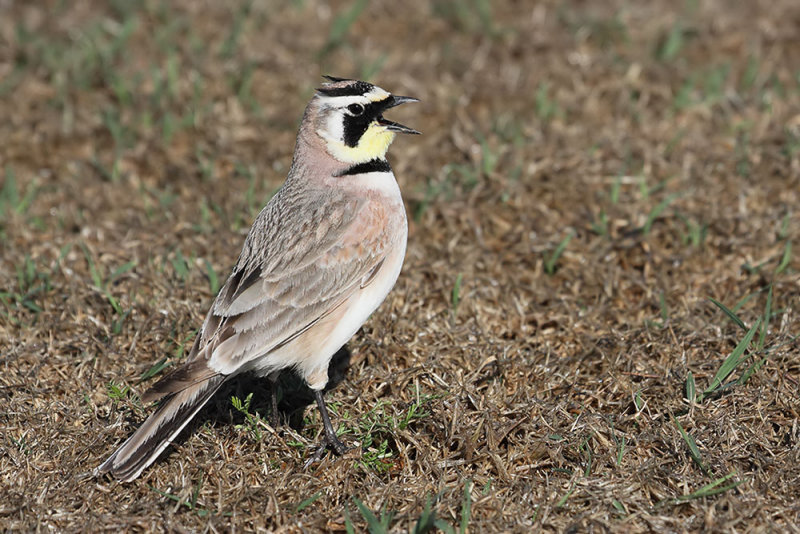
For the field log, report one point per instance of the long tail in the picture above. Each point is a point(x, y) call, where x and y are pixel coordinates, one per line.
point(155, 434)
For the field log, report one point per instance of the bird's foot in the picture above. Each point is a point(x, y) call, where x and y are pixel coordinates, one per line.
point(331, 441)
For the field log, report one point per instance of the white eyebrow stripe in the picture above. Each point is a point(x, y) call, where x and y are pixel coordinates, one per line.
point(343, 101)
point(375, 95)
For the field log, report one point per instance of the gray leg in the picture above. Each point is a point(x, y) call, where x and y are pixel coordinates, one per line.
point(330, 440)
point(273, 390)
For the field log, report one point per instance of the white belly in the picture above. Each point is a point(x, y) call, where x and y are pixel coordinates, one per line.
point(310, 353)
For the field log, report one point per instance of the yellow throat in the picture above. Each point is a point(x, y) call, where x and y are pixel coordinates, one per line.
point(373, 145)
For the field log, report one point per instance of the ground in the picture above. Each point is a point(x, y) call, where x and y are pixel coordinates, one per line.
point(594, 329)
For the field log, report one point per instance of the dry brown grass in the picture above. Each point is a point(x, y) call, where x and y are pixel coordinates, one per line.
point(552, 388)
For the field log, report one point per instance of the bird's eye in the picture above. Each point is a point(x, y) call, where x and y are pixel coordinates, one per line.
point(355, 109)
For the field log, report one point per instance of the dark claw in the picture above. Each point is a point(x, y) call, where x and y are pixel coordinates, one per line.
point(336, 445)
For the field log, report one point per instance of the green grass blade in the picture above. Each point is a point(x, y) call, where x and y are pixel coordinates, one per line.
point(638, 401)
point(93, 271)
point(122, 269)
point(348, 523)
point(727, 311)
point(762, 337)
point(662, 301)
point(427, 519)
point(456, 297)
point(9, 195)
point(785, 259)
point(744, 300)
point(658, 210)
point(750, 370)
point(691, 390)
point(181, 266)
point(620, 450)
point(26, 201)
point(712, 488)
point(466, 507)
point(196, 493)
point(563, 500)
point(374, 525)
point(155, 369)
point(307, 502)
point(341, 25)
point(694, 452)
point(213, 280)
point(114, 303)
point(672, 44)
point(732, 361)
point(551, 261)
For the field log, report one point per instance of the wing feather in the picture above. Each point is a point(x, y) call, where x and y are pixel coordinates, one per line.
point(293, 271)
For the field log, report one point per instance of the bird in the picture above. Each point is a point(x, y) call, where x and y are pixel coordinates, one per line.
point(319, 259)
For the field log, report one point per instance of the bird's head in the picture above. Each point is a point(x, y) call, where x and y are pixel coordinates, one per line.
point(349, 119)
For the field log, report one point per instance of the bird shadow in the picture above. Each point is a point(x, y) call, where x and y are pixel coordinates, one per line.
point(294, 396)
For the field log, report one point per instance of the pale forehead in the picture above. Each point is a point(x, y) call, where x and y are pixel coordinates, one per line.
point(377, 94)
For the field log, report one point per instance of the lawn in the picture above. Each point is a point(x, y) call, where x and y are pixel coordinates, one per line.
point(596, 324)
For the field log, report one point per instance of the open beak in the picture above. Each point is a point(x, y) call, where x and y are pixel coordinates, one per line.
point(391, 102)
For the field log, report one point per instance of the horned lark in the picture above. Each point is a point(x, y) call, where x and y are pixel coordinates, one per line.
point(319, 259)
